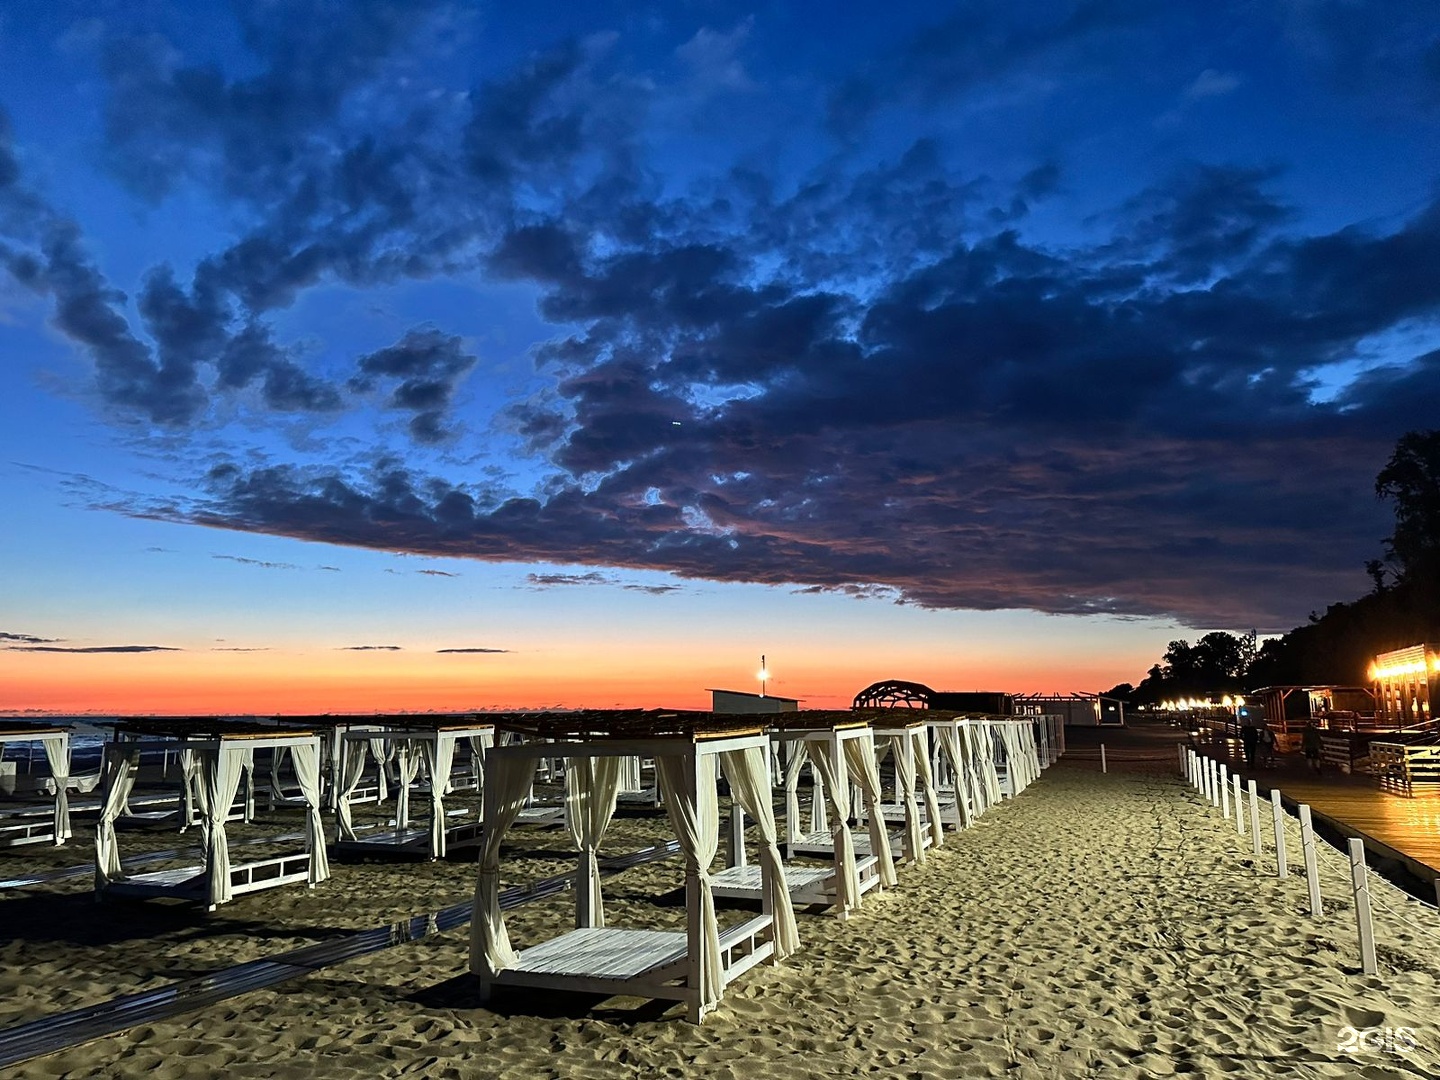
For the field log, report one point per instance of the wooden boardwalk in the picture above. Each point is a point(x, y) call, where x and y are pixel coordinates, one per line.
point(1404, 828)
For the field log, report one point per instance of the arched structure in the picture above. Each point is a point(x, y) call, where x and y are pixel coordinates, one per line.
point(895, 694)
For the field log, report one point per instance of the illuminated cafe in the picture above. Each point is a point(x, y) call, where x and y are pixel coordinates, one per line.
point(1406, 684)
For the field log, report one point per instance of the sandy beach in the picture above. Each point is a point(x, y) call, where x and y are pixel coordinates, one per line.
point(1098, 925)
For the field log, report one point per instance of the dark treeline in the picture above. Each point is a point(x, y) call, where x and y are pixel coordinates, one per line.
point(1403, 607)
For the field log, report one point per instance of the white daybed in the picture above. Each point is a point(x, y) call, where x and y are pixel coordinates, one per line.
point(964, 767)
point(414, 740)
point(907, 741)
point(691, 966)
point(221, 751)
point(37, 823)
point(840, 750)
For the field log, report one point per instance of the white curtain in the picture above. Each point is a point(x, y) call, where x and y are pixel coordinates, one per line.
point(981, 744)
point(119, 765)
point(189, 779)
point(57, 754)
point(827, 764)
point(921, 742)
point(439, 758)
point(903, 751)
point(220, 772)
point(507, 783)
point(591, 785)
point(959, 765)
point(407, 767)
point(479, 747)
point(277, 759)
point(352, 758)
point(687, 786)
point(307, 771)
point(382, 751)
point(860, 756)
point(750, 787)
point(818, 818)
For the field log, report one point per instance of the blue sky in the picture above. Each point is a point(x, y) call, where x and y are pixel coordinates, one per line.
point(1083, 322)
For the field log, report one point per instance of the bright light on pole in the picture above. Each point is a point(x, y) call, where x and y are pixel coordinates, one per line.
point(762, 675)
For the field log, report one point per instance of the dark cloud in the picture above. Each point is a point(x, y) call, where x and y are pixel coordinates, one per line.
point(96, 649)
point(27, 639)
point(370, 648)
point(652, 590)
point(437, 573)
point(236, 648)
point(488, 651)
point(546, 581)
point(422, 371)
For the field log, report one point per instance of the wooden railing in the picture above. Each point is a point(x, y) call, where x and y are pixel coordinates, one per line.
point(1400, 766)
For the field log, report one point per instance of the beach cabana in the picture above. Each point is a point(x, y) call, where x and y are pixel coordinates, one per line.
point(964, 767)
point(906, 739)
point(31, 821)
point(692, 966)
point(415, 741)
point(840, 750)
point(222, 750)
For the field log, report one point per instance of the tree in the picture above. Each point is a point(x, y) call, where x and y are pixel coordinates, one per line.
point(1411, 478)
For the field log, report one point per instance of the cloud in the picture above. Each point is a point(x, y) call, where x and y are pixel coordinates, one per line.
point(236, 648)
point(370, 648)
point(257, 562)
point(653, 590)
point(437, 573)
point(27, 639)
point(546, 581)
point(472, 650)
point(96, 649)
point(422, 369)
point(1211, 83)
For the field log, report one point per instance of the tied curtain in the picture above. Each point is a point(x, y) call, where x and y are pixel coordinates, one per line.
point(352, 758)
point(407, 767)
point(382, 752)
point(480, 746)
point(902, 749)
point(507, 784)
point(120, 764)
point(439, 754)
point(687, 786)
point(591, 786)
point(818, 820)
point(220, 774)
point(750, 787)
point(277, 759)
point(829, 761)
point(57, 755)
point(307, 770)
point(921, 743)
point(189, 778)
point(950, 735)
point(860, 757)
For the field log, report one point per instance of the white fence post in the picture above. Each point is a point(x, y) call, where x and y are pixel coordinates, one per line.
point(1255, 822)
point(1312, 867)
point(1225, 792)
point(1360, 886)
point(1239, 806)
point(1102, 758)
point(1282, 868)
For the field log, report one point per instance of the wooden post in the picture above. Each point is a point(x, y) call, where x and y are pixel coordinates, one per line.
point(737, 835)
point(1214, 781)
point(1255, 822)
point(1239, 806)
point(1225, 792)
point(1312, 867)
point(1277, 811)
point(1183, 763)
point(1360, 886)
point(1102, 758)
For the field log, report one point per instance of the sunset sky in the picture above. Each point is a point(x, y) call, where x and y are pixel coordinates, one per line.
point(388, 354)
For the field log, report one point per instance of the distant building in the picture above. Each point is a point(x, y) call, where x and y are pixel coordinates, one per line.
point(738, 701)
point(1288, 707)
point(1079, 710)
point(1407, 682)
point(899, 694)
